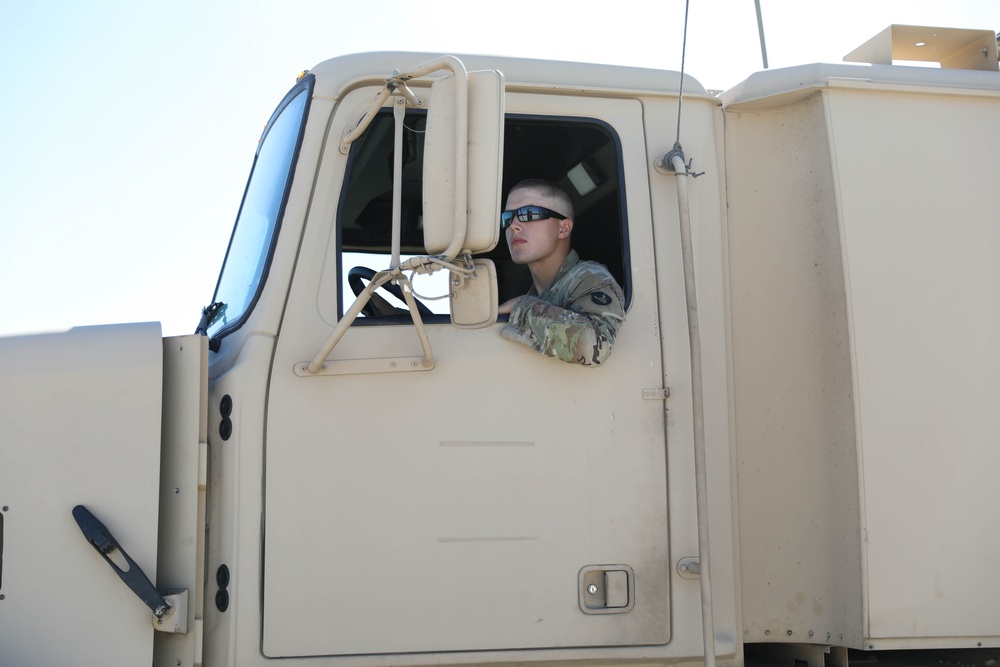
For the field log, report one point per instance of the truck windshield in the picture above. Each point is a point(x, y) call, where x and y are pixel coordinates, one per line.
point(252, 242)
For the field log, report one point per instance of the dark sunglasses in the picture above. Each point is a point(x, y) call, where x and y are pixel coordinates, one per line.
point(528, 214)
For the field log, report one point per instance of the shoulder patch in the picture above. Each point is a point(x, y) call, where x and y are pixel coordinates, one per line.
point(600, 298)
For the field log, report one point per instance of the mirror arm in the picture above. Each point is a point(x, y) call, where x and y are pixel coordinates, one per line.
point(399, 114)
point(418, 323)
point(359, 129)
point(428, 264)
point(381, 278)
point(396, 84)
point(316, 365)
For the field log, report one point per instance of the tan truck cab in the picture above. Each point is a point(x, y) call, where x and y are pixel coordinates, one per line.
point(788, 455)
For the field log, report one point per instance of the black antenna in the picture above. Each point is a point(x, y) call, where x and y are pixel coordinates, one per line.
point(680, 96)
point(760, 29)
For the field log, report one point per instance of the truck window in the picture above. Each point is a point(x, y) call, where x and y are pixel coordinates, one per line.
point(583, 155)
point(252, 243)
point(365, 225)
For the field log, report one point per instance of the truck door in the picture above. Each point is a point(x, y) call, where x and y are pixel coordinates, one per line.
point(500, 500)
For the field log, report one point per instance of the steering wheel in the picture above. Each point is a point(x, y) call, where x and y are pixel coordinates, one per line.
point(377, 306)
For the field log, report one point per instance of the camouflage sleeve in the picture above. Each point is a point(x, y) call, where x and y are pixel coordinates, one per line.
point(582, 332)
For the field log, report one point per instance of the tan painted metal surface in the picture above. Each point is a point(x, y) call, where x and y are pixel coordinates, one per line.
point(523, 477)
point(864, 307)
point(183, 486)
point(81, 426)
point(500, 507)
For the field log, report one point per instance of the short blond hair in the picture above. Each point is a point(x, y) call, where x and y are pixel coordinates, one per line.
point(549, 190)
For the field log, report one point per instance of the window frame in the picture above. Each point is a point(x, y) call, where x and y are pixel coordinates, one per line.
point(304, 86)
point(624, 276)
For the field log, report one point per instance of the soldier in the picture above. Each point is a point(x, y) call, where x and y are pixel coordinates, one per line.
point(574, 308)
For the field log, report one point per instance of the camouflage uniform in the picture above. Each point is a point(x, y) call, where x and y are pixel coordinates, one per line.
point(576, 319)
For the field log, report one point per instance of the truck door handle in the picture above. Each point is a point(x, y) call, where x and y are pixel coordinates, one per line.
point(606, 589)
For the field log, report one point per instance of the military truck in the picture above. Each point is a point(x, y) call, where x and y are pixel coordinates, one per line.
point(789, 456)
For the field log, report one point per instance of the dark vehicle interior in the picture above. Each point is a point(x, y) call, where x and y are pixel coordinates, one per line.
point(582, 155)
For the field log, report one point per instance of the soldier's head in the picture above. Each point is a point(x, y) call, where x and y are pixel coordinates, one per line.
point(538, 221)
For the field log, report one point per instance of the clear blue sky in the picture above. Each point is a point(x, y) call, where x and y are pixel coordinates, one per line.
point(127, 128)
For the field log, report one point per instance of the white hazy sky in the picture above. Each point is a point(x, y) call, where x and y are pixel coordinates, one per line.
point(127, 128)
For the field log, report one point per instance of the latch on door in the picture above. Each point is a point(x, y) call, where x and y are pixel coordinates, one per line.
point(169, 611)
point(606, 589)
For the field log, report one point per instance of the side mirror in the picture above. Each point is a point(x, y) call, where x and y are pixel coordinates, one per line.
point(463, 150)
point(486, 121)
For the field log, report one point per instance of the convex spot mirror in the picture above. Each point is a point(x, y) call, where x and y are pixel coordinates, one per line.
point(474, 299)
